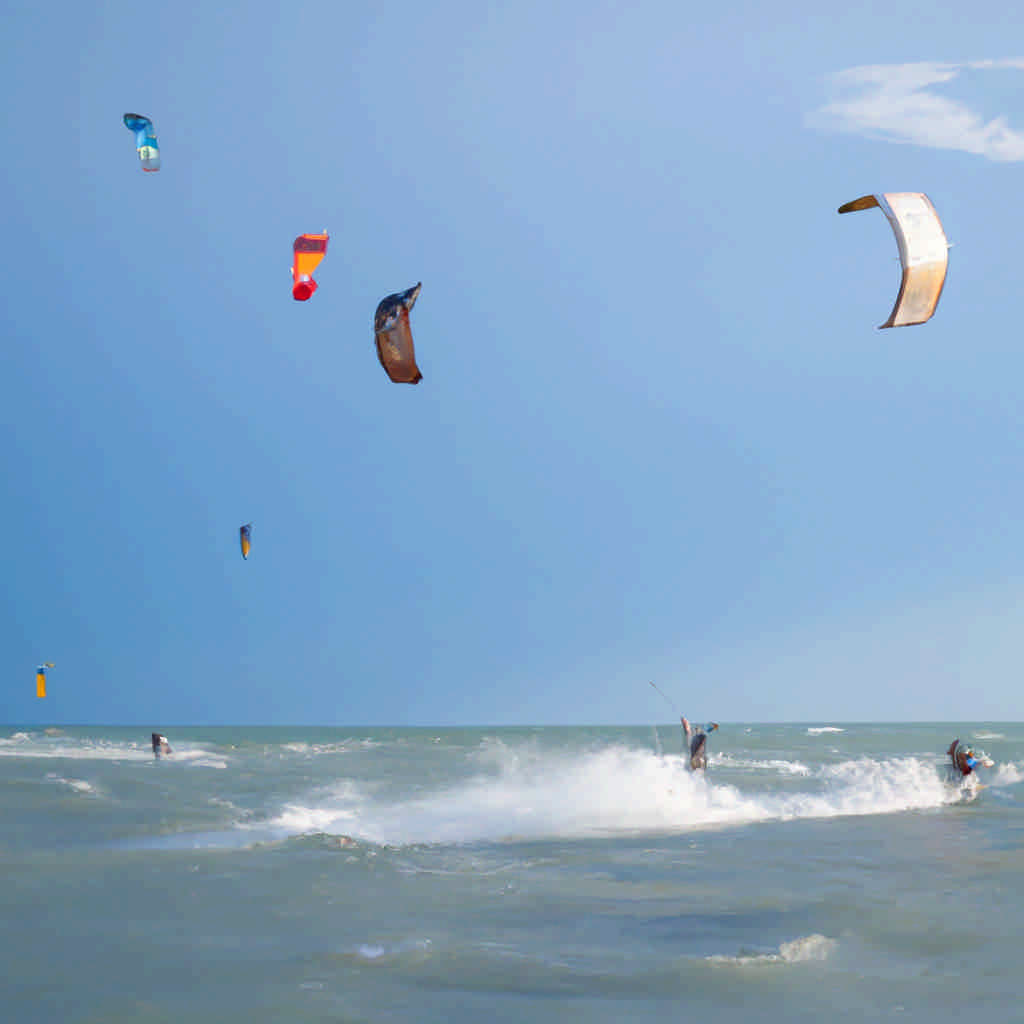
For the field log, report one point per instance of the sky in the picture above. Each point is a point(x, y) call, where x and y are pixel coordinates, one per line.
point(659, 436)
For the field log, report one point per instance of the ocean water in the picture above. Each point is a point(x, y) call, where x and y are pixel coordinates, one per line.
point(817, 872)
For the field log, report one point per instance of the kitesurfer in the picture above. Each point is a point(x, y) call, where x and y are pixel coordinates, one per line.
point(962, 757)
point(160, 745)
point(695, 741)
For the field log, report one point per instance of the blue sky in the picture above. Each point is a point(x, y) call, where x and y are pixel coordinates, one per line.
point(658, 435)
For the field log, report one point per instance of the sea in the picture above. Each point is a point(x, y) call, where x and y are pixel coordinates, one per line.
point(821, 871)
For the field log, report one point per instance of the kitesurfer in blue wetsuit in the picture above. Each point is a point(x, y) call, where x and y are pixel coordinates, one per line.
point(695, 739)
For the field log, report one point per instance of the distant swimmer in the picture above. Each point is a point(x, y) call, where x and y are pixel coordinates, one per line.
point(160, 745)
point(963, 760)
point(696, 738)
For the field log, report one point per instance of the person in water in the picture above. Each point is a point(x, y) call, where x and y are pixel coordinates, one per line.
point(695, 740)
point(160, 745)
point(963, 758)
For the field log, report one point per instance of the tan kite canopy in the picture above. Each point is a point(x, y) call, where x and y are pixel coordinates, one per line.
point(924, 252)
point(393, 335)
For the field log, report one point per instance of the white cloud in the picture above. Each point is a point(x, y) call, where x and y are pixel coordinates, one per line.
point(895, 102)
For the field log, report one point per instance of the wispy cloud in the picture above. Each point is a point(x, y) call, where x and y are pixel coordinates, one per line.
point(896, 103)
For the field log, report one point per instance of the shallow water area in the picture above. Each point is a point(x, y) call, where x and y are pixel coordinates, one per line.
point(525, 874)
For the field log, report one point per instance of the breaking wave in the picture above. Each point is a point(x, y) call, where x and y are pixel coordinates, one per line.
point(521, 792)
point(779, 765)
point(809, 947)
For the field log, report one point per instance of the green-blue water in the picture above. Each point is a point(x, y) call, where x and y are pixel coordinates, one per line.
point(817, 872)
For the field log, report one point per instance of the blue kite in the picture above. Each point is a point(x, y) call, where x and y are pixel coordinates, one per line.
point(145, 141)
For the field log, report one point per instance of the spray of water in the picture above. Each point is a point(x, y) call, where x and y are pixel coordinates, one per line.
point(521, 792)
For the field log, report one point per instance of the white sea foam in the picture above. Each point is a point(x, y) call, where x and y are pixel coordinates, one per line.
point(1007, 774)
point(63, 747)
point(341, 807)
point(78, 785)
point(26, 745)
point(808, 947)
point(523, 792)
point(779, 765)
point(341, 747)
point(196, 757)
point(817, 730)
point(376, 952)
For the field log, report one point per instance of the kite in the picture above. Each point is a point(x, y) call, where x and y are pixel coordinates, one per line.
point(924, 252)
point(145, 141)
point(394, 336)
point(41, 678)
point(309, 251)
point(245, 538)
